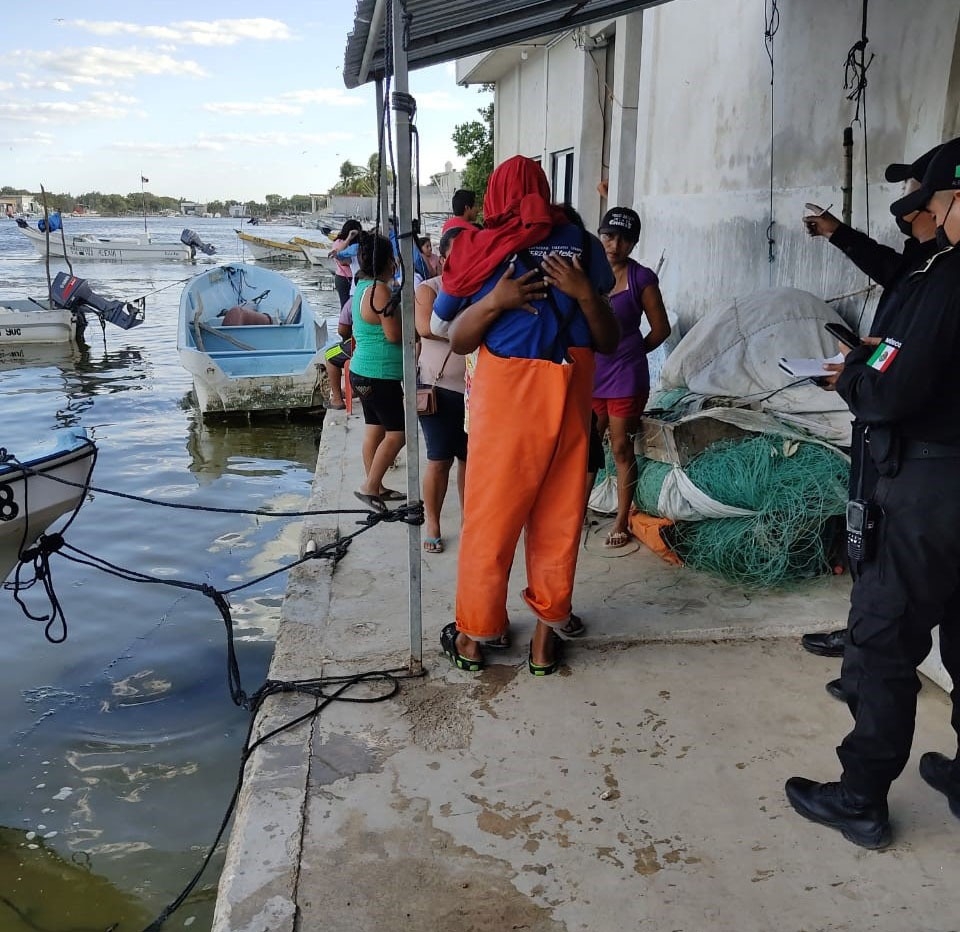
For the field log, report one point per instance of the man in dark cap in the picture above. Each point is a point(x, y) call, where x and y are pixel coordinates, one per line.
point(888, 268)
point(906, 390)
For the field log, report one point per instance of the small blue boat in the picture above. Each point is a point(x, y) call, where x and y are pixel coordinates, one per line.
point(251, 343)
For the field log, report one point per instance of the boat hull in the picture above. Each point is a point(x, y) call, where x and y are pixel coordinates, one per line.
point(29, 322)
point(317, 256)
point(31, 498)
point(271, 250)
point(105, 248)
point(259, 368)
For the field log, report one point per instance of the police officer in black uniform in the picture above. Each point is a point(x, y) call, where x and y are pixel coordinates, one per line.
point(906, 390)
point(888, 268)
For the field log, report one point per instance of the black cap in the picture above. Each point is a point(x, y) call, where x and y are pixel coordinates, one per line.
point(621, 220)
point(942, 174)
point(916, 170)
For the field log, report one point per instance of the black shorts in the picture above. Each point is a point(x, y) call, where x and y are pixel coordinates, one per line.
point(382, 400)
point(443, 430)
point(596, 458)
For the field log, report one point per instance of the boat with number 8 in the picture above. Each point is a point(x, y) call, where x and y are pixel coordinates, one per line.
point(37, 489)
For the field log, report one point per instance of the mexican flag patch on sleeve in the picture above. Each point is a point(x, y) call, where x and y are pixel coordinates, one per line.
point(883, 355)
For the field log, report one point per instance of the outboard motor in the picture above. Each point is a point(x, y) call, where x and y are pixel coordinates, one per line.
point(75, 294)
point(191, 239)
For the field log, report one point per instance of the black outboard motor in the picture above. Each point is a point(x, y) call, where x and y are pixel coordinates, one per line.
point(75, 294)
point(191, 239)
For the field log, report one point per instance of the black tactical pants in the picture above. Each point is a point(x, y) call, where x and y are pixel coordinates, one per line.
point(911, 586)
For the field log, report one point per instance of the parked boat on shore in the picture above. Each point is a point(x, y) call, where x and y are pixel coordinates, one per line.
point(34, 492)
point(317, 251)
point(127, 248)
point(264, 249)
point(251, 342)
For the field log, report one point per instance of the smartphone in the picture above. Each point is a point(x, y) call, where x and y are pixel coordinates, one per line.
point(844, 334)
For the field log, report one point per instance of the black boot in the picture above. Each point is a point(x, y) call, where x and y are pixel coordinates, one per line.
point(943, 775)
point(865, 823)
point(826, 644)
point(835, 688)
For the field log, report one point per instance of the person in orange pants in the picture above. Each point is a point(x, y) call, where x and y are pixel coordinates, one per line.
point(529, 404)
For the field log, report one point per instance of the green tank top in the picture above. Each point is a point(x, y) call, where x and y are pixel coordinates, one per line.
point(375, 357)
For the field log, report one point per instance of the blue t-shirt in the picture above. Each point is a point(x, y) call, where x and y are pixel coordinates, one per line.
point(518, 333)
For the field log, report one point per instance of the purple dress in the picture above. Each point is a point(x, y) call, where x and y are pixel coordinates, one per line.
point(624, 372)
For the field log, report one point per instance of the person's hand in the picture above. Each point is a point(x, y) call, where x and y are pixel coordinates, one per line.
point(820, 223)
point(510, 292)
point(829, 382)
point(566, 275)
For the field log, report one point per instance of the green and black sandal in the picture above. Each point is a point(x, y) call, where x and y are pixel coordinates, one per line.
point(547, 669)
point(448, 644)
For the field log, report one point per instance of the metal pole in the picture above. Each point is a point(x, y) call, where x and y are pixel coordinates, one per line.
point(846, 214)
point(405, 238)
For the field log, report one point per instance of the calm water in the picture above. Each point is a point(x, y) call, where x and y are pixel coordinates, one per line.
point(122, 745)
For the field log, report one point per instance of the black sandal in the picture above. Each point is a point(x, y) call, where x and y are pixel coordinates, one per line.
point(448, 644)
point(574, 628)
point(547, 669)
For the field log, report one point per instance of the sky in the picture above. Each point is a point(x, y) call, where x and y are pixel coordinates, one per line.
point(209, 101)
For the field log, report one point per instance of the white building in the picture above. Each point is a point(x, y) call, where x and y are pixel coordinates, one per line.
point(671, 110)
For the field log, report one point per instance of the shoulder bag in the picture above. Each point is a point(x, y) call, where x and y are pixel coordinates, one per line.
point(427, 394)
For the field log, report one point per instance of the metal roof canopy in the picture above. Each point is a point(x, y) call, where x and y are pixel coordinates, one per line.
point(442, 30)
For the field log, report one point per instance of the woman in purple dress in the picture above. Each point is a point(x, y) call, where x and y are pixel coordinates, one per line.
point(621, 384)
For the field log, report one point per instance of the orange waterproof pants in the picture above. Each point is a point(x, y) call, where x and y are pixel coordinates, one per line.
point(529, 420)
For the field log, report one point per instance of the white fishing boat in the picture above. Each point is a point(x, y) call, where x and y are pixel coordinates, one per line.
point(250, 342)
point(265, 249)
point(38, 488)
point(62, 317)
point(128, 248)
point(317, 252)
point(30, 320)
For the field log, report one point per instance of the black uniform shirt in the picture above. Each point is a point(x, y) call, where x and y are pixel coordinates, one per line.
point(911, 382)
point(887, 267)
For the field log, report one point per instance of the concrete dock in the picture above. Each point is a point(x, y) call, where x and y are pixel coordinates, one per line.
point(639, 789)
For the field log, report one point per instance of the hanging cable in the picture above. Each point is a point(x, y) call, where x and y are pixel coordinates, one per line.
point(855, 69)
point(771, 27)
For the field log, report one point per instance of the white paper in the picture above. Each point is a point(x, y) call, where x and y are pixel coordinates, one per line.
point(808, 368)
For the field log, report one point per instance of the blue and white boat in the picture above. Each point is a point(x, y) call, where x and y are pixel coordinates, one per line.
point(37, 487)
point(251, 342)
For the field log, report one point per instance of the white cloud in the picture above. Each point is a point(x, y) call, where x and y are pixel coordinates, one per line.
point(332, 96)
point(105, 108)
point(97, 65)
point(437, 100)
point(258, 108)
point(195, 32)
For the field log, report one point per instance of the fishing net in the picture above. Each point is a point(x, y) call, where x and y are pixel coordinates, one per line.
point(794, 487)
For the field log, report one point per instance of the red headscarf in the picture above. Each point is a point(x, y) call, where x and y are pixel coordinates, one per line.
point(517, 214)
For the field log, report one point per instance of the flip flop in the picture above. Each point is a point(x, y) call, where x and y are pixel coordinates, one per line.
point(433, 544)
point(547, 669)
point(574, 628)
point(333, 407)
point(373, 502)
point(617, 539)
point(392, 495)
point(448, 644)
point(502, 642)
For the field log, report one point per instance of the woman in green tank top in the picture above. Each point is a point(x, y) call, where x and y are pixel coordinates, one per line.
point(376, 368)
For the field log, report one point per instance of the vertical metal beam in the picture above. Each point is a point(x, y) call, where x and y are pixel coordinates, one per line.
point(403, 183)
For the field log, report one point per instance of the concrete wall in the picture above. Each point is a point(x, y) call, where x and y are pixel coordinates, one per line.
point(687, 116)
point(703, 181)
